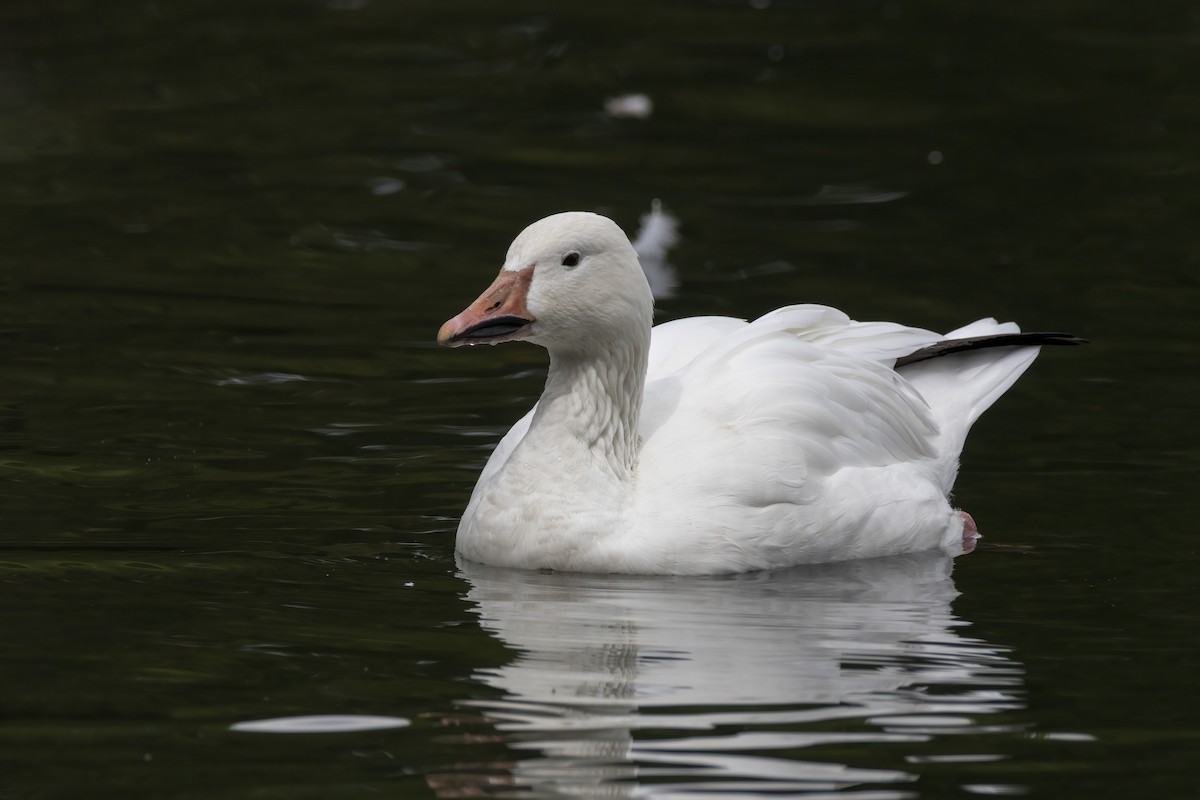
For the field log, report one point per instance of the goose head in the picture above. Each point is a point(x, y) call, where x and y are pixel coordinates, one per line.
point(571, 283)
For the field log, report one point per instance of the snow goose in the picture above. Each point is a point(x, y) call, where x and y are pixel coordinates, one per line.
point(710, 444)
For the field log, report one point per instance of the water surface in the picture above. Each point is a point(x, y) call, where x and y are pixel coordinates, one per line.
point(233, 460)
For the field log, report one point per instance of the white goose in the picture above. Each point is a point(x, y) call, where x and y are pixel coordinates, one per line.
point(709, 444)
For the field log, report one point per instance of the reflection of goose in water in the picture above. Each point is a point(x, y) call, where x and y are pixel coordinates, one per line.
point(717, 671)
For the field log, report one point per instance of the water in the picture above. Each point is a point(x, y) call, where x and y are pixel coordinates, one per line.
point(233, 460)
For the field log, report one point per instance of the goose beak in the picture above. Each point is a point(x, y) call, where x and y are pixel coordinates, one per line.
point(499, 315)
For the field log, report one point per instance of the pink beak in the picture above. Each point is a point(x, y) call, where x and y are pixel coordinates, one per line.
point(499, 315)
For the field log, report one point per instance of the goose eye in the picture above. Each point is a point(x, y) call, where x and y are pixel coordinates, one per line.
point(571, 260)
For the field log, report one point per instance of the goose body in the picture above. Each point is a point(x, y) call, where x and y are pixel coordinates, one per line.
point(711, 444)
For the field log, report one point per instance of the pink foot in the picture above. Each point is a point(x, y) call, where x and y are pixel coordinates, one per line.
point(970, 531)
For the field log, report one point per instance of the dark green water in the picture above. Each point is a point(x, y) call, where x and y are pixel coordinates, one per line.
point(233, 461)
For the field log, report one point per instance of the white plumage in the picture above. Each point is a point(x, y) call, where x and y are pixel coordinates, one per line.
point(711, 444)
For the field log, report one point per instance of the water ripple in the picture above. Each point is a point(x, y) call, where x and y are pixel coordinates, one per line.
point(320, 723)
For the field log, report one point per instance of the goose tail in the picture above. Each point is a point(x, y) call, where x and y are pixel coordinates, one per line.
point(965, 373)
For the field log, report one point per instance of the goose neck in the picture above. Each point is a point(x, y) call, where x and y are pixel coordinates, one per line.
point(595, 401)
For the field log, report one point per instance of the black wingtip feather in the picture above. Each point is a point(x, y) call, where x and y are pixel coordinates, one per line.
point(951, 346)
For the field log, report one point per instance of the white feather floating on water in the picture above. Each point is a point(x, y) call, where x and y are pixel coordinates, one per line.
point(659, 232)
point(633, 106)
